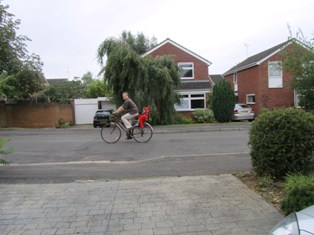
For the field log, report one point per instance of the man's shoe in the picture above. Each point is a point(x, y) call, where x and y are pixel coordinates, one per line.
point(128, 137)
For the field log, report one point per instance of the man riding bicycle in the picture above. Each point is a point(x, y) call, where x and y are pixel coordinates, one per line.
point(131, 109)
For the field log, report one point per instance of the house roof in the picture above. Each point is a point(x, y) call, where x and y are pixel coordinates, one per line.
point(168, 40)
point(258, 58)
point(53, 81)
point(195, 85)
point(216, 78)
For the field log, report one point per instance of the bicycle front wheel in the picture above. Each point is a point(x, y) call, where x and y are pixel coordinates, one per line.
point(142, 135)
point(111, 134)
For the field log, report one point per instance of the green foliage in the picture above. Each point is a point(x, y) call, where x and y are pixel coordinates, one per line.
point(299, 193)
point(139, 43)
point(148, 81)
point(209, 97)
point(298, 60)
point(4, 151)
point(21, 75)
point(282, 142)
point(63, 92)
point(203, 116)
point(87, 78)
point(179, 119)
point(223, 101)
point(159, 76)
point(97, 88)
point(12, 46)
point(62, 123)
point(23, 84)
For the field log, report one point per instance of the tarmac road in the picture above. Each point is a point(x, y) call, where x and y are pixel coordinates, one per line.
point(66, 155)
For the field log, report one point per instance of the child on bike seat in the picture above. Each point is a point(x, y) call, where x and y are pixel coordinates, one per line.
point(143, 116)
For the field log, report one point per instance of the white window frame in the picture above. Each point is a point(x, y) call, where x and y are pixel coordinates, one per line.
point(248, 100)
point(275, 80)
point(188, 100)
point(235, 78)
point(235, 82)
point(296, 99)
point(192, 67)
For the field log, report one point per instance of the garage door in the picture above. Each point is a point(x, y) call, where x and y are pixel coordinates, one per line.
point(85, 110)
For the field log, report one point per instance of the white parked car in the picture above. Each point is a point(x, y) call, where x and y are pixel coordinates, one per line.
point(243, 112)
point(297, 223)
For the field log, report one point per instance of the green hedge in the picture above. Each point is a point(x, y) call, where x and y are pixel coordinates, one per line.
point(203, 116)
point(179, 119)
point(299, 193)
point(282, 142)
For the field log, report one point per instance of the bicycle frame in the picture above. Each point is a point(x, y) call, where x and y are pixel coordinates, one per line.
point(117, 121)
point(140, 135)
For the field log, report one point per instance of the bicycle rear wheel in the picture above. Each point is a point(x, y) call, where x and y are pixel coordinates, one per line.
point(111, 134)
point(142, 135)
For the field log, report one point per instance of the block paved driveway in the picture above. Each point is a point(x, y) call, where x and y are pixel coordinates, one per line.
point(214, 205)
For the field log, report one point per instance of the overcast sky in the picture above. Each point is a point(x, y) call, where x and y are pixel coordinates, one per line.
point(67, 33)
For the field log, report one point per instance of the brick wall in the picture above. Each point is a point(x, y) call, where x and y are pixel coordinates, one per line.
point(273, 98)
point(3, 118)
point(200, 68)
point(34, 115)
point(255, 81)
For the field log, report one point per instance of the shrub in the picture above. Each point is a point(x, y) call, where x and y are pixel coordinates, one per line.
point(203, 116)
point(223, 100)
point(282, 142)
point(4, 151)
point(209, 97)
point(179, 119)
point(299, 193)
point(62, 123)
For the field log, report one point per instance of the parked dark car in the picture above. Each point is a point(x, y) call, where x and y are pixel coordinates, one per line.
point(101, 117)
point(243, 112)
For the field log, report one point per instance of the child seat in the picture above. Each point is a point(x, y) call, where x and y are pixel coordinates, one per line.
point(143, 116)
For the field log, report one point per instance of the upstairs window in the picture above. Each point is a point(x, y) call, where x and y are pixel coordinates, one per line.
point(235, 82)
point(186, 70)
point(235, 78)
point(275, 74)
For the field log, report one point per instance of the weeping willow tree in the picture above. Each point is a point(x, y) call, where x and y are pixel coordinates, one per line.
point(149, 81)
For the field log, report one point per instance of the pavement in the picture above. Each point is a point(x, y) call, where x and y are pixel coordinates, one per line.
point(188, 205)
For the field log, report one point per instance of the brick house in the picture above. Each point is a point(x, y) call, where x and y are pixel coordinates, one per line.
point(195, 79)
point(261, 82)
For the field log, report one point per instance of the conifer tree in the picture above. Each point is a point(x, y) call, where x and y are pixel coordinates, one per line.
point(223, 101)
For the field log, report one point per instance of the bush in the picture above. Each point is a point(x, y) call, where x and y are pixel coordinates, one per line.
point(203, 116)
point(62, 123)
point(299, 193)
point(179, 119)
point(282, 142)
point(223, 100)
point(4, 151)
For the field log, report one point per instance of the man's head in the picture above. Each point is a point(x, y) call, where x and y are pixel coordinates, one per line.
point(125, 95)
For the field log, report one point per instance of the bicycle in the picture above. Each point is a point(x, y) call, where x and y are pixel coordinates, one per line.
point(140, 132)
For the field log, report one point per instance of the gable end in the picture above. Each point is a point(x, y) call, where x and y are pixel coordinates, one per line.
point(180, 47)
